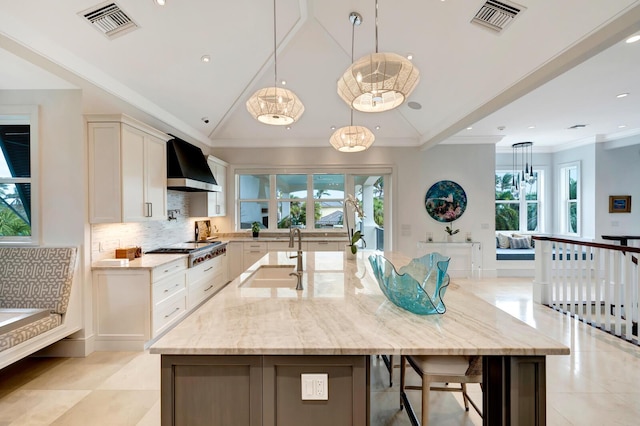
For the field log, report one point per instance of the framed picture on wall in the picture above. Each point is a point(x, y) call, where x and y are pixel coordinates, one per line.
point(620, 204)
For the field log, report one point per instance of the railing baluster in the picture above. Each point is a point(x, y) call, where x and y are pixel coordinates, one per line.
point(580, 277)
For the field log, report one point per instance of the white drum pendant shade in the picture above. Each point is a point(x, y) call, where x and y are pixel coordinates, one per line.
point(275, 106)
point(378, 82)
point(352, 139)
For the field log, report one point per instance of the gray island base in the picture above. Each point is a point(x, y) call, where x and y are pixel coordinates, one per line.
point(239, 359)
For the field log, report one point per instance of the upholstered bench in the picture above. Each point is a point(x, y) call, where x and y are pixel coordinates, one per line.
point(35, 288)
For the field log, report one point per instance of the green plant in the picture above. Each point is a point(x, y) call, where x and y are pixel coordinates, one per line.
point(449, 230)
point(357, 236)
point(255, 227)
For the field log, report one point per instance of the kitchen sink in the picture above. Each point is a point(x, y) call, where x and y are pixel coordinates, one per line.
point(271, 276)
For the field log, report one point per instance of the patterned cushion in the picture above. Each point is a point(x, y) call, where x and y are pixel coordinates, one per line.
point(519, 243)
point(28, 331)
point(36, 277)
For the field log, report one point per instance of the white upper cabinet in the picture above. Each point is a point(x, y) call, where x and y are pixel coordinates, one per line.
point(211, 204)
point(127, 170)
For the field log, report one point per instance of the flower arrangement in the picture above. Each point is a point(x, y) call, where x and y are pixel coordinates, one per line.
point(356, 236)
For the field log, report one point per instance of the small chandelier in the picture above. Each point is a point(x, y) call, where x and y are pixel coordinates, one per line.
point(352, 138)
point(522, 156)
point(275, 105)
point(379, 81)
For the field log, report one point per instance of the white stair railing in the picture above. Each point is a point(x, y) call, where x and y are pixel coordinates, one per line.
point(595, 283)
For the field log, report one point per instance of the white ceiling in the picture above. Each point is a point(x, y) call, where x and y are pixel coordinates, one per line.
point(556, 65)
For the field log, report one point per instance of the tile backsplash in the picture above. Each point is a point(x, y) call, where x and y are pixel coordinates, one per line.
point(107, 237)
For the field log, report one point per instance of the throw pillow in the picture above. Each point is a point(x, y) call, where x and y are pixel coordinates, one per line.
point(528, 237)
point(519, 243)
point(503, 240)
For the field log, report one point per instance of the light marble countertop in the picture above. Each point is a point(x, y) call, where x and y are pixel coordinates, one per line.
point(342, 311)
point(147, 261)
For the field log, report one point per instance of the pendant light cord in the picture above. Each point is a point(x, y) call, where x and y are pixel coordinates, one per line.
point(275, 58)
point(353, 31)
point(376, 26)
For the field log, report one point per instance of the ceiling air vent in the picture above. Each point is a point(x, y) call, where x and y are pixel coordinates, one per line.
point(109, 19)
point(497, 15)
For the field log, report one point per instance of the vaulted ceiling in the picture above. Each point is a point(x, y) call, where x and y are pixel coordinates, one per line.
point(556, 65)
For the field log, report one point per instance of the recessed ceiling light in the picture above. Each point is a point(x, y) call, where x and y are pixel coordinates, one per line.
point(333, 127)
point(633, 39)
point(288, 127)
point(377, 127)
point(409, 56)
point(622, 95)
point(532, 127)
point(205, 58)
point(469, 128)
point(159, 2)
point(622, 126)
point(414, 105)
point(284, 82)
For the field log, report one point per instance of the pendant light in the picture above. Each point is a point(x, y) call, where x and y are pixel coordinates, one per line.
point(275, 105)
point(352, 138)
point(379, 81)
point(522, 157)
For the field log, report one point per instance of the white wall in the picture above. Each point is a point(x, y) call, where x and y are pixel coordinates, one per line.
point(471, 166)
point(617, 173)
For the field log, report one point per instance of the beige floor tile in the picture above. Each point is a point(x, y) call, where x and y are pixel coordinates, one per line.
point(110, 408)
point(38, 407)
point(152, 418)
point(141, 373)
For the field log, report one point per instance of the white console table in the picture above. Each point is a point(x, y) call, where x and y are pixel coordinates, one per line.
point(466, 256)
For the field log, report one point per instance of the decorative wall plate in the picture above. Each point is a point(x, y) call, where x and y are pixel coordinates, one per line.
point(445, 201)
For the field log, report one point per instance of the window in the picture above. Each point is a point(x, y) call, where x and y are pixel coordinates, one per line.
point(328, 195)
point(17, 165)
point(282, 199)
point(253, 198)
point(517, 203)
point(569, 198)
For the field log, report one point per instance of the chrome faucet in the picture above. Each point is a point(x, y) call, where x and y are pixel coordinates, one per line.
point(298, 276)
point(292, 233)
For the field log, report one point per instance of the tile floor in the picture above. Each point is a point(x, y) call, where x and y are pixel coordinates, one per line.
point(598, 384)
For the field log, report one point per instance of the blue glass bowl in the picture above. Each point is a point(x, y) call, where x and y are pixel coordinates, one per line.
point(419, 287)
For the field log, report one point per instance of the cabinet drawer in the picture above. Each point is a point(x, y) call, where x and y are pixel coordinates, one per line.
point(167, 287)
point(325, 245)
point(205, 269)
point(201, 290)
point(167, 269)
point(255, 246)
point(169, 312)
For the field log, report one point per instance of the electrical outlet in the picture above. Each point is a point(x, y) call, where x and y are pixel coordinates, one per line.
point(314, 387)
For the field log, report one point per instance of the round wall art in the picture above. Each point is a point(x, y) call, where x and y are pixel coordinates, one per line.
point(445, 201)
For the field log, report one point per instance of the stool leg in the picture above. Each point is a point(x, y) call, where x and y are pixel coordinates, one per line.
point(426, 387)
point(403, 367)
point(465, 397)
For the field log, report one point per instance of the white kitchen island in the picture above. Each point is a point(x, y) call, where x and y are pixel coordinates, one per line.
point(244, 350)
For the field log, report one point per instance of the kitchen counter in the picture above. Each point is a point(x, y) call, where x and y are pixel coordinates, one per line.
point(147, 261)
point(273, 336)
point(342, 311)
point(249, 238)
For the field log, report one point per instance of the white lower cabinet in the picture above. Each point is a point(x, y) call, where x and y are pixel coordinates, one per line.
point(133, 307)
point(206, 279)
point(252, 252)
point(235, 253)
